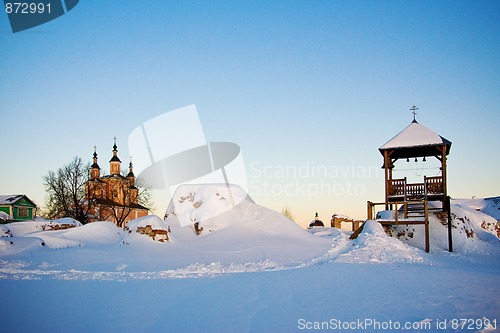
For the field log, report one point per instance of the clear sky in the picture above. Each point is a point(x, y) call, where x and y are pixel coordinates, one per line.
point(308, 89)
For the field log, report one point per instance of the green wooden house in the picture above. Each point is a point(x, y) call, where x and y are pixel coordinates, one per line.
point(19, 207)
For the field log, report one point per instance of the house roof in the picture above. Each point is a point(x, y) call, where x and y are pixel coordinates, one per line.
point(13, 198)
point(414, 141)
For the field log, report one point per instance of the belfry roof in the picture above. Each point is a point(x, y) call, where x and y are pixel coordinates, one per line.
point(414, 141)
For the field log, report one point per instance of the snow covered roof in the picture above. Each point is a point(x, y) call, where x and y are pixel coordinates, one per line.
point(416, 138)
point(316, 223)
point(13, 198)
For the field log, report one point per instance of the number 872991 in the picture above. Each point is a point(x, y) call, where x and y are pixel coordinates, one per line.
point(27, 8)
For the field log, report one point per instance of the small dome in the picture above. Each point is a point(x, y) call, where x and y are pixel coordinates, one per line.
point(316, 223)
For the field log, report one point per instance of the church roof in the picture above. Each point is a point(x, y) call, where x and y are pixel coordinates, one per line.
point(316, 223)
point(114, 176)
point(115, 159)
point(95, 165)
point(115, 153)
point(108, 202)
point(414, 141)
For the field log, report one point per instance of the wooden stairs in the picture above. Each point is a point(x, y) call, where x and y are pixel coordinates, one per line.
point(414, 212)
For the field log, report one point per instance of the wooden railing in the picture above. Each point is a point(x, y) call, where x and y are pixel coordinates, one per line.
point(415, 190)
point(424, 219)
point(400, 189)
point(434, 185)
point(397, 187)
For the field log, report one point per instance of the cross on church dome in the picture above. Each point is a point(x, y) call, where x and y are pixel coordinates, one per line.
point(414, 111)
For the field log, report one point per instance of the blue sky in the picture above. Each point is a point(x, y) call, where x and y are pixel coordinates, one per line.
point(297, 84)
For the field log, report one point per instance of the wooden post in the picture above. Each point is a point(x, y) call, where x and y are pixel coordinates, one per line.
point(355, 225)
point(427, 240)
point(405, 190)
point(450, 236)
point(396, 212)
point(443, 173)
point(369, 214)
point(425, 186)
point(386, 172)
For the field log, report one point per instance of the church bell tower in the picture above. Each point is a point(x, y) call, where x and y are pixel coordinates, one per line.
point(114, 162)
point(95, 170)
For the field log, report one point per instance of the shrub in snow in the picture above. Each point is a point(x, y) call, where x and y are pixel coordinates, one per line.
point(197, 228)
point(150, 225)
point(160, 235)
point(61, 224)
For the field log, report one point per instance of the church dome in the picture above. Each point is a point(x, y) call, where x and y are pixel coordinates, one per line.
point(316, 222)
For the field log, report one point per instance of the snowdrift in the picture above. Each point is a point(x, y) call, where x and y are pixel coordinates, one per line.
point(470, 227)
point(24, 228)
point(195, 203)
point(373, 245)
point(489, 206)
point(151, 226)
point(205, 232)
point(236, 235)
point(5, 217)
point(235, 229)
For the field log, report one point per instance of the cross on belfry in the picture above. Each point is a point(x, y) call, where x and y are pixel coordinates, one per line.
point(414, 111)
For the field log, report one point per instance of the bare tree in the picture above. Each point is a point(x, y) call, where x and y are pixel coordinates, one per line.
point(145, 197)
point(65, 191)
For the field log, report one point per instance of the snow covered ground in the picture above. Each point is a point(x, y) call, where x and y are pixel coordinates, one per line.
point(249, 270)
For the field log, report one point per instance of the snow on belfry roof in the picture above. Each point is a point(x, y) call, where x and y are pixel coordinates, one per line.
point(415, 135)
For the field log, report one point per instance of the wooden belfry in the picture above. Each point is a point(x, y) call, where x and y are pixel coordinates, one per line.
point(415, 141)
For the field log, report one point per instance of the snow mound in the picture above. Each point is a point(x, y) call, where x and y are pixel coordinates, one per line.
point(150, 225)
point(19, 229)
point(470, 228)
point(484, 215)
point(16, 245)
point(489, 206)
point(198, 203)
point(152, 220)
point(245, 232)
point(484, 226)
point(5, 217)
point(4, 231)
point(94, 234)
point(373, 245)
